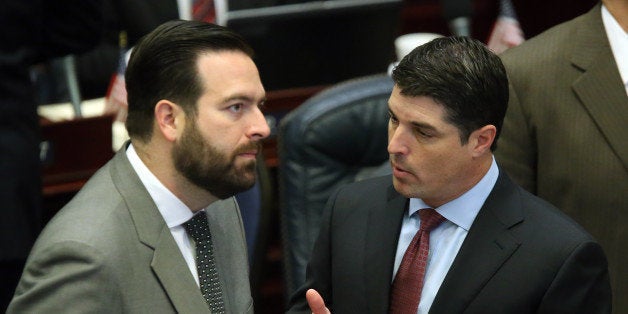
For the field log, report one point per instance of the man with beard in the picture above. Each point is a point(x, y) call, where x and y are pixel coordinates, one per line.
point(135, 238)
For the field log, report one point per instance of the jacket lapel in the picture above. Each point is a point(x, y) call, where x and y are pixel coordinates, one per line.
point(168, 263)
point(169, 266)
point(381, 246)
point(487, 246)
point(230, 253)
point(600, 87)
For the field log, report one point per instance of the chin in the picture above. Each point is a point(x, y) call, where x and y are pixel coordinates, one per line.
point(400, 187)
point(248, 179)
point(407, 190)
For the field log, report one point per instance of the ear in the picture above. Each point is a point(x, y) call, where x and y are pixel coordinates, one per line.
point(169, 119)
point(482, 139)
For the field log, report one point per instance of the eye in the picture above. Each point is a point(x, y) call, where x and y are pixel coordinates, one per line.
point(423, 134)
point(262, 105)
point(235, 108)
point(392, 118)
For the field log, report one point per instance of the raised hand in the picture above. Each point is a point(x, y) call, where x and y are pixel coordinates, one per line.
point(316, 302)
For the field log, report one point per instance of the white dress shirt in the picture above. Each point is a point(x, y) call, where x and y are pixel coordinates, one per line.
point(171, 208)
point(446, 239)
point(618, 39)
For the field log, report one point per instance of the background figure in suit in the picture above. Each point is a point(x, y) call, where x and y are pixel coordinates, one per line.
point(499, 250)
point(565, 132)
point(506, 32)
point(32, 31)
point(121, 246)
point(137, 18)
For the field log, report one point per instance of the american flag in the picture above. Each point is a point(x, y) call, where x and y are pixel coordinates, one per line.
point(204, 11)
point(116, 97)
point(506, 32)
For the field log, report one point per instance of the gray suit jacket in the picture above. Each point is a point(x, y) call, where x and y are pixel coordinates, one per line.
point(565, 135)
point(521, 255)
point(110, 251)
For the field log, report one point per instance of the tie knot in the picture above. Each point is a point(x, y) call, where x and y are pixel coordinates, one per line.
point(430, 219)
point(198, 228)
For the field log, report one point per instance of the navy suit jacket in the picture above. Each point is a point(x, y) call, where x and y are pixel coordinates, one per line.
point(521, 255)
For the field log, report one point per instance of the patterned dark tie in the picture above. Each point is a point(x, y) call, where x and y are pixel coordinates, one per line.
point(208, 278)
point(408, 283)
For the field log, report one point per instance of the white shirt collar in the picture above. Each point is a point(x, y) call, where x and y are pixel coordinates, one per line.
point(174, 211)
point(462, 210)
point(618, 39)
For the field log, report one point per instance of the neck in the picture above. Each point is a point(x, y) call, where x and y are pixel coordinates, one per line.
point(472, 177)
point(157, 159)
point(619, 10)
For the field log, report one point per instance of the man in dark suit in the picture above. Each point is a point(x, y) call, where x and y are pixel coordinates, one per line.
point(497, 249)
point(566, 129)
point(32, 31)
point(128, 241)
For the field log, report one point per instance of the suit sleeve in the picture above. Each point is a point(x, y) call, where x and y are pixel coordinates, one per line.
point(582, 284)
point(318, 272)
point(66, 277)
point(516, 148)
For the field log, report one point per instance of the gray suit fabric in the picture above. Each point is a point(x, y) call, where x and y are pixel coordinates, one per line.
point(565, 133)
point(521, 255)
point(110, 251)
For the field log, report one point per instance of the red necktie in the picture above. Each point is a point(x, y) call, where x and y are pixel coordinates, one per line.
point(203, 10)
point(408, 283)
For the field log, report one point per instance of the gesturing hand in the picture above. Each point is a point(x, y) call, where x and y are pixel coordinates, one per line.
point(316, 302)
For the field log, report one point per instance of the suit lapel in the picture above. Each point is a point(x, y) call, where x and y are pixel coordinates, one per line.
point(487, 246)
point(230, 253)
point(168, 263)
point(600, 87)
point(381, 246)
point(169, 266)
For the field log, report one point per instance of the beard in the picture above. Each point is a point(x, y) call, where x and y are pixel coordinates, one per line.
point(209, 168)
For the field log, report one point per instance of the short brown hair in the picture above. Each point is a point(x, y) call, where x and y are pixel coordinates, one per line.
point(163, 66)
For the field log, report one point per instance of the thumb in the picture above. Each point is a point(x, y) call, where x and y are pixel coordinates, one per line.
point(316, 302)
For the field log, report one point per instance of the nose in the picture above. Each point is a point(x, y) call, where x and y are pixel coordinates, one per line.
point(259, 127)
point(396, 141)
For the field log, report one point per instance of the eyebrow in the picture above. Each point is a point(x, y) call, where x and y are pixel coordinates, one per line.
point(243, 97)
point(424, 126)
point(415, 124)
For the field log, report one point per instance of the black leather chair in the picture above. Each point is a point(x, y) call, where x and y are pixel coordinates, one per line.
point(336, 137)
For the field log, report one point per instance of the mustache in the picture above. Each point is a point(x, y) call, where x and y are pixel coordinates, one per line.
point(255, 145)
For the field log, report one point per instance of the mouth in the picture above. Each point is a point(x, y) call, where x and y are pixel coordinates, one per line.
point(249, 151)
point(399, 171)
point(248, 154)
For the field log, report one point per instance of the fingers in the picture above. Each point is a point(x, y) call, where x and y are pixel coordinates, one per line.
point(316, 302)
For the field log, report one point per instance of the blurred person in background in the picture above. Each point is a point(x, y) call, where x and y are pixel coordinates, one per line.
point(564, 136)
point(31, 31)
